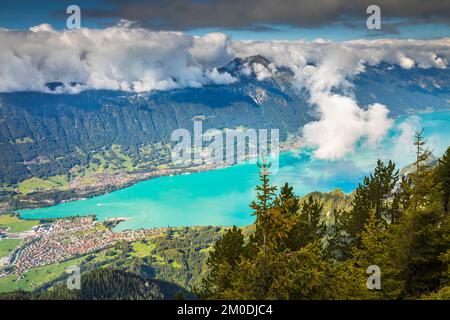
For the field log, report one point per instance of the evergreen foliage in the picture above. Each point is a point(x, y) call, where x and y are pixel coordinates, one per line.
point(397, 224)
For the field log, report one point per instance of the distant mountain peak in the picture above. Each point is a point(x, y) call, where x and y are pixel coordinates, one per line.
point(256, 66)
point(58, 85)
point(258, 59)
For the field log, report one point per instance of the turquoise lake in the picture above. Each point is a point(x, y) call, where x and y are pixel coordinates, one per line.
point(222, 197)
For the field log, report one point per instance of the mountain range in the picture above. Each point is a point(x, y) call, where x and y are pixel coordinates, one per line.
point(49, 134)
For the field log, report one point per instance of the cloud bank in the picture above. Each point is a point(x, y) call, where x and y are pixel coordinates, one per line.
point(261, 14)
point(117, 58)
point(140, 60)
point(137, 59)
point(321, 67)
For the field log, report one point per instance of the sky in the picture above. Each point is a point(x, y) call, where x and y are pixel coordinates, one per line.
point(335, 20)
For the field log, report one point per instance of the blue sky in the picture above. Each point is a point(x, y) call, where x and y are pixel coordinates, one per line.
point(23, 14)
point(336, 33)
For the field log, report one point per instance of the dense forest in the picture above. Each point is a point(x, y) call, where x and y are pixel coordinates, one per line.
point(107, 284)
point(398, 225)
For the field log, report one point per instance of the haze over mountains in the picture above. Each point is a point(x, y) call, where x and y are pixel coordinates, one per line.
point(46, 134)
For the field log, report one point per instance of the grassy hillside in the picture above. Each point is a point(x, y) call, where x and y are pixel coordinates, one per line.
point(15, 224)
point(333, 201)
point(7, 246)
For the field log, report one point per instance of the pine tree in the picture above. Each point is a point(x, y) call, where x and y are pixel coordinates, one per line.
point(305, 274)
point(442, 178)
point(377, 193)
point(420, 241)
point(308, 226)
point(302, 274)
point(420, 180)
point(404, 194)
point(404, 229)
point(261, 207)
point(339, 241)
point(375, 249)
point(260, 260)
point(221, 262)
point(421, 234)
point(288, 200)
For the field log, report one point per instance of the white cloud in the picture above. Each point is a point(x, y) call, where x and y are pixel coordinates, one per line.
point(322, 66)
point(117, 58)
point(404, 142)
point(220, 77)
point(126, 58)
point(405, 62)
point(212, 50)
point(42, 27)
point(342, 124)
point(134, 59)
point(261, 71)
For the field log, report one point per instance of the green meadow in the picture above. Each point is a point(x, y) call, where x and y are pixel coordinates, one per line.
point(16, 224)
point(7, 246)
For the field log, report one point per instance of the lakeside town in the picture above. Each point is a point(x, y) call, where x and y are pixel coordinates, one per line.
point(63, 239)
point(66, 238)
point(101, 183)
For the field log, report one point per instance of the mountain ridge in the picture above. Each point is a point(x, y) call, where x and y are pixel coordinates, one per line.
point(45, 135)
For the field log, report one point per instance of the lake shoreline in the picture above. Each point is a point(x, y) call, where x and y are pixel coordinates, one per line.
point(292, 144)
point(129, 180)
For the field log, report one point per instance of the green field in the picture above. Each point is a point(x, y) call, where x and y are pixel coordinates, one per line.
point(104, 161)
point(107, 160)
point(16, 224)
point(141, 249)
point(37, 184)
point(7, 246)
point(36, 277)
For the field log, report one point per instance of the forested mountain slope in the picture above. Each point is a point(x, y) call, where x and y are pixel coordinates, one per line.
point(46, 134)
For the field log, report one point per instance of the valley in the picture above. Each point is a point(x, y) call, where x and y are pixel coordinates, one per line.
point(151, 203)
point(78, 146)
point(87, 179)
point(37, 257)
